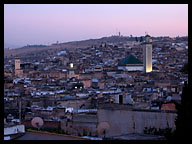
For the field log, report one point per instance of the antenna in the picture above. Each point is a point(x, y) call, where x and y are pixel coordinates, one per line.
point(20, 110)
point(116, 31)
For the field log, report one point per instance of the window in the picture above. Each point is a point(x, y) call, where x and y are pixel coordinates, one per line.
point(120, 99)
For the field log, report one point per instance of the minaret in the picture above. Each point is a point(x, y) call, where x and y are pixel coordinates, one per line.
point(17, 65)
point(71, 71)
point(147, 51)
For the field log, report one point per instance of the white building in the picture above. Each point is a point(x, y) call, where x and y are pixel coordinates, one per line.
point(12, 131)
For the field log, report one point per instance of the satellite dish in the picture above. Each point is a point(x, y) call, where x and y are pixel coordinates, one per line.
point(37, 122)
point(103, 128)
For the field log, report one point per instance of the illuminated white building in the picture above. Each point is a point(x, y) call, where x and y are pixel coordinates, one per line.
point(147, 51)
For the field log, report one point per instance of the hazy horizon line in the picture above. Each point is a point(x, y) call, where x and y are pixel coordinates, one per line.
point(15, 46)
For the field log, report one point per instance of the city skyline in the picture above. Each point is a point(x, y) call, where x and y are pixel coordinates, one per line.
point(46, 23)
point(127, 81)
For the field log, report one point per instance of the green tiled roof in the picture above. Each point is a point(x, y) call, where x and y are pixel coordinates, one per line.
point(71, 69)
point(130, 59)
point(148, 43)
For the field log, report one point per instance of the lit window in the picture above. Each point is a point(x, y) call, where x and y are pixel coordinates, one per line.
point(71, 65)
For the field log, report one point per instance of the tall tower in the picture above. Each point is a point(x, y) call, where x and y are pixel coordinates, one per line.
point(147, 51)
point(71, 71)
point(17, 63)
point(18, 71)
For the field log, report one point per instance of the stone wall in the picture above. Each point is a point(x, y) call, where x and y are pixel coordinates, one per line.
point(123, 121)
point(81, 124)
point(47, 124)
point(74, 103)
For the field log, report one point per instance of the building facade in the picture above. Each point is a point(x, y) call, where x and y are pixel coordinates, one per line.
point(18, 71)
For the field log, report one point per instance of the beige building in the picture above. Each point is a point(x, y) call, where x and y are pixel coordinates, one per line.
point(71, 71)
point(18, 71)
point(17, 63)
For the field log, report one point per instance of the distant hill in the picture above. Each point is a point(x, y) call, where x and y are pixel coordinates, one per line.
point(68, 45)
point(11, 46)
point(103, 39)
point(71, 45)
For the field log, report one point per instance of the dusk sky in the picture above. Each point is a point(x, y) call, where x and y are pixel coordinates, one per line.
point(47, 23)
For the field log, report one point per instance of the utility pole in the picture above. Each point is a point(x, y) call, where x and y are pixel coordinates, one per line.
point(20, 109)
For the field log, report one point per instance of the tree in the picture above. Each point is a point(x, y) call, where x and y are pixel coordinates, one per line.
point(183, 119)
point(136, 39)
point(184, 69)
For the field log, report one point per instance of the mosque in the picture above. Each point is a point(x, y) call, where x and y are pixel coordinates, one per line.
point(131, 63)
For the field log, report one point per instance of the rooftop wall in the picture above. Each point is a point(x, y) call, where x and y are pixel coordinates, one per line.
point(123, 121)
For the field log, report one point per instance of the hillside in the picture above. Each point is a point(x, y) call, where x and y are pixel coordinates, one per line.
point(30, 49)
point(68, 45)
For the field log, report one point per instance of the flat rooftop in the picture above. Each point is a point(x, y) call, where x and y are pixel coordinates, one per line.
point(39, 135)
point(136, 136)
point(128, 107)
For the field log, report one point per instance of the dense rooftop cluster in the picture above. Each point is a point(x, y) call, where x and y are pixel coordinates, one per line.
point(51, 89)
